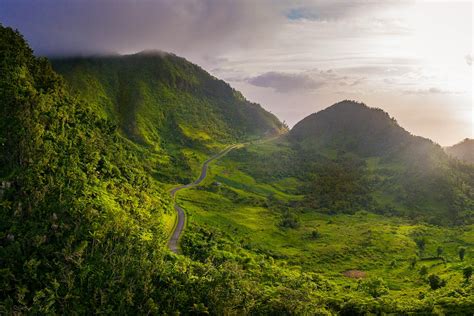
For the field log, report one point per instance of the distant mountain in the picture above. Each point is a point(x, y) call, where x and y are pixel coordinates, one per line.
point(355, 157)
point(463, 151)
point(161, 99)
point(354, 127)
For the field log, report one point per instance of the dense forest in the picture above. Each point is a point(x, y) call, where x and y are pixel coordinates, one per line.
point(87, 160)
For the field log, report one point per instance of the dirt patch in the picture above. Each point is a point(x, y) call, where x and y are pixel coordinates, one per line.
point(354, 274)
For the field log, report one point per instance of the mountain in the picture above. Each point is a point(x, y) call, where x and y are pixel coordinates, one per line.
point(82, 215)
point(166, 106)
point(356, 157)
point(84, 203)
point(158, 97)
point(354, 127)
point(463, 151)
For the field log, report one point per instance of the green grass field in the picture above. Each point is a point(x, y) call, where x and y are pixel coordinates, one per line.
point(249, 213)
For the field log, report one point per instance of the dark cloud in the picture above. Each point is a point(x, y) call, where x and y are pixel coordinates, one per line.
point(283, 82)
point(103, 26)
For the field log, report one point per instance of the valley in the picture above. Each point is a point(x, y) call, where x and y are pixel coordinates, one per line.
point(104, 158)
point(181, 216)
point(232, 204)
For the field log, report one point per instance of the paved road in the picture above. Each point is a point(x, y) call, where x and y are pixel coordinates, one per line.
point(178, 230)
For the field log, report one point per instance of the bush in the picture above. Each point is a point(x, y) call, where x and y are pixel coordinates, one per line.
point(375, 287)
point(467, 273)
point(289, 220)
point(436, 282)
point(423, 270)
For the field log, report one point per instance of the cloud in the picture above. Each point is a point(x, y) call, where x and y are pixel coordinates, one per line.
point(284, 82)
point(386, 70)
point(72, 27)
point(431, 90)
point(327, 10)
point(305, 81)
point(469, 59)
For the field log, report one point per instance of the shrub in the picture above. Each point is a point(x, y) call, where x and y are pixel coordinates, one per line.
point(436, 282)
point(462, 253)
point(375, 287)
point(467, 273)
point(423, 270)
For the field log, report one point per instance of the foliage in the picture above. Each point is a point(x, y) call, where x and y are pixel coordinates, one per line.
point(375, 287)
point(84, 169)
point(164, 104)
point(467, 273)
point(435, 281)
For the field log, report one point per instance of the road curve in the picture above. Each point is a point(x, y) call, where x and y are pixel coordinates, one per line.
point(178, 230)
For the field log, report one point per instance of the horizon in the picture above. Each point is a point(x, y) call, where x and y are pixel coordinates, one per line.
point(403, 61)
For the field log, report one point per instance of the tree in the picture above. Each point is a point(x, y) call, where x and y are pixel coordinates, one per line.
point(423, 270)
point(462, 253)
point(289, 220)
point(467, 273)
point(436, 282)
point(315, 234)
point(421, 244)
point(439, 251)
point(375, 287)
point(413, 261)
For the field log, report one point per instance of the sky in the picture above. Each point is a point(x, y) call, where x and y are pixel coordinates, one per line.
point(411, 58)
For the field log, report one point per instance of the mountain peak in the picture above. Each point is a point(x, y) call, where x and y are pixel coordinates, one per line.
point(351, 126)
point(152, 52)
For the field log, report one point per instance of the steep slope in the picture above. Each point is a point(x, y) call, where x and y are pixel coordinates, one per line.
point(360, 158)
point(81, 220)
point(354, 127)
point(173, 111)
point(463, 151)
point(350, 157)
point(78, 212)
point(158, 98)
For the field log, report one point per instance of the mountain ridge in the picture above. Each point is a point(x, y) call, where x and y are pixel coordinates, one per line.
point(464, 150)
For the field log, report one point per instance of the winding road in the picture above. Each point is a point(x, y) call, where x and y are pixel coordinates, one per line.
point(173, 243)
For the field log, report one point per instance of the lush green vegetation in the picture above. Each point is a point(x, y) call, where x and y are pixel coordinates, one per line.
point(166, 104)
point(287, 226)
point(374, 262)
point(353, 150)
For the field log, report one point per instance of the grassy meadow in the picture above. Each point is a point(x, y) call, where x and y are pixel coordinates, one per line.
point(345, 248)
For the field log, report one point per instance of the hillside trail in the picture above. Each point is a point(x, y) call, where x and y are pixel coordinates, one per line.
point(173, 243)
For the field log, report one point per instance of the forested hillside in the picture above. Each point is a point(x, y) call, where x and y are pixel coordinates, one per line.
point(463, 151)
point(165, 104)
point(350, 157)
point(81, 218)
point(85, 168)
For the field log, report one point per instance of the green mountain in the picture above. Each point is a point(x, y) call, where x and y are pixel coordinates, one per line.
point(159, 97)
point(86, 165)
point(351, 157)
point(353, 127)
point(166, 105)
point(362, 159)
point(83, 214)
point(463, 151)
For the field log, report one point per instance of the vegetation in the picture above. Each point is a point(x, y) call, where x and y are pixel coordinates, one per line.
point(463, 151)
point(368, 258)
point(166, 106)
point(288, 226)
